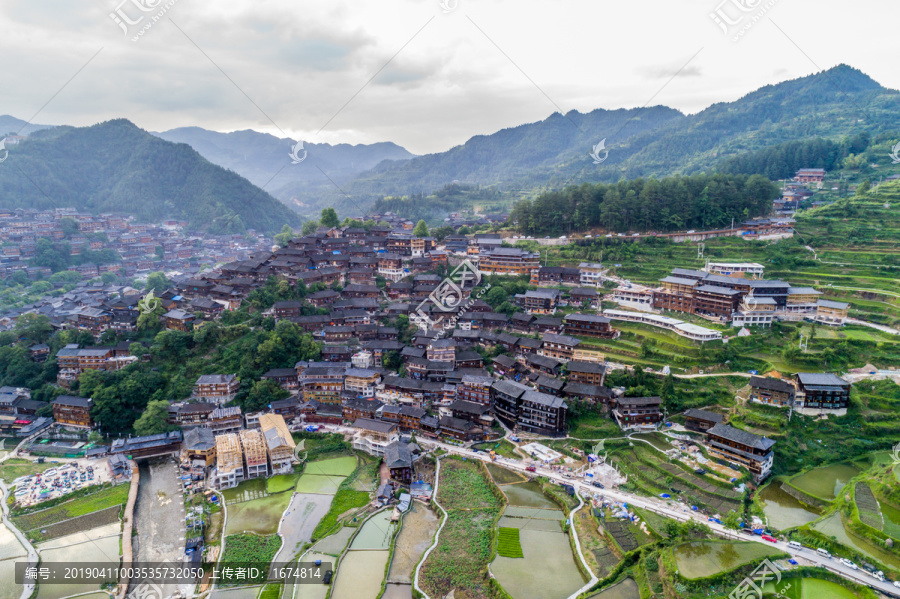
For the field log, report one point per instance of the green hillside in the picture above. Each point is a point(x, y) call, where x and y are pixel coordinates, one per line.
point(117, 167)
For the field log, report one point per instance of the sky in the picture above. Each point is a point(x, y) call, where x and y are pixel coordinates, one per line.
point(425, 74)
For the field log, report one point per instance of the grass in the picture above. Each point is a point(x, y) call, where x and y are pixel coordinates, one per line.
point(508, 544)
point(344, 500)
point(260, 516)
point(102, 498)
point(319, 484)
point(343, 466)
point(459, 561)
point(13, 468)
point(271, 591)
point(281, 482)
point(250, 548)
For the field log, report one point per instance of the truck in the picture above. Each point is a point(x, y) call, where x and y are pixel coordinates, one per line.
point(312, 428)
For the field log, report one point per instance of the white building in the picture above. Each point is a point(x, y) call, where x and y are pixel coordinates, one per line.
point(635, 297)
point(750, 270)
point(680, 327)
point(591, 273)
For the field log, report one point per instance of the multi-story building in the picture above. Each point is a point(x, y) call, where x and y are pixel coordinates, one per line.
point(590, 373)
point(742, 448)
point(256, 458)
point(831, 313)
point(637, 411)
point(475, 389)
point(590, 274)
point(220, 388)
point(810, 175)
point(361, 382)
point(716, 301)
point(279, 443)
point(771, 391)
point(701, 420)
point(821, 391)
point(588, 325)
point(508, 261)
point(555, 275)
point(72, 411)
point(225, 420)
point(441, 350)
point(750, 270)
point(199, 447)
point(505, 396)
point(229, 461)
point(539, 301)
point(374, 436)
point(560, 347)
point(542, 414)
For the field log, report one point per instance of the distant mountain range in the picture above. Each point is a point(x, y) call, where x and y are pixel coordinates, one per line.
point(117, 167)
point(265, 160)
point(549, 154)
point(507, 165)
point(10, 125)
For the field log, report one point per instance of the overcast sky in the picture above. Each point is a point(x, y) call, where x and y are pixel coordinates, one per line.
point(440, 76)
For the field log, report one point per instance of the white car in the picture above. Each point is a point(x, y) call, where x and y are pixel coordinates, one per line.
point(897, 583)
point(849, 564)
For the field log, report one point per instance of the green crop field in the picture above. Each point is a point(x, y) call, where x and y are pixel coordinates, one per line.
point(508, 544)
point(101, 499)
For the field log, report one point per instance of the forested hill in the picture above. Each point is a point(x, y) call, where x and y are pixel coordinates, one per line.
point(841, 102)
point(117, 167)
point(669, 204)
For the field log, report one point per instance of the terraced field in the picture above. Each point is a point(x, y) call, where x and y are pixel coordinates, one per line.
point(101, 499)
point(869, 510)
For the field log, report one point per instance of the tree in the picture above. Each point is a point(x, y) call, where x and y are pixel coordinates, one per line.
point(159, 252)
point(157, 282)
point(863, 187)
point(150, 321)
point(329, 218)
point(421, 229)
point(69, 226)
point(286, 234)
point(732, 520)
point(262, 394)
point(309, 227)
point(35, 328)
point(153, 420)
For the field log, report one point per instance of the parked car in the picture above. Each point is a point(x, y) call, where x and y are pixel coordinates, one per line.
point(327, 578)
point(598, 484)
point(531, 469)
point(849, 564)
point(769, 538)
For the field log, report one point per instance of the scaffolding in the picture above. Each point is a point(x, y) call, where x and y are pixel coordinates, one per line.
point(229, 456)
point(255, 454)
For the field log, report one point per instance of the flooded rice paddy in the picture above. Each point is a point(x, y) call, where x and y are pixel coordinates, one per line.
point(360, 575)
point(782, 510)
point(701, 559)
point(826, 482)
point(416, 534)
point(627, 589)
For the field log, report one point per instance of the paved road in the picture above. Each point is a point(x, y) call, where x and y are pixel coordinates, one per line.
point(676, 511)
point(27, 589)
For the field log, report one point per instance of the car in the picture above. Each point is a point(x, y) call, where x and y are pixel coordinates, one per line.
point(327, 578)
point(530, 469)
point(849, 564)
point(598, 484)
point(769, 538)
point(897, 583)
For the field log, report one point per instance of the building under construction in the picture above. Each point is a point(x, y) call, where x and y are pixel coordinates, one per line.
point(229, 461)
point(279, 443)
point(256, 458)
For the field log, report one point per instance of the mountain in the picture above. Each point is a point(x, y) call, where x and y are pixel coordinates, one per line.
point(14, 126)
point(117, 167)
point(656, 141)
point(265, 161)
